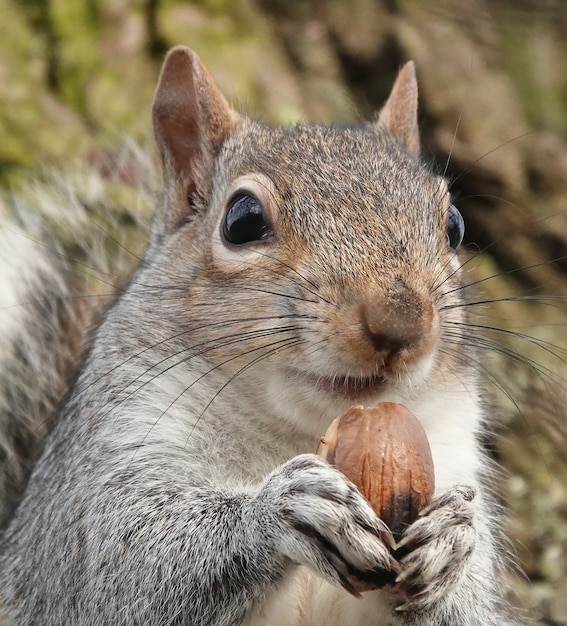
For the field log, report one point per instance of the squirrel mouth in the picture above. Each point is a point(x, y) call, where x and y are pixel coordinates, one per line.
point(351, 387)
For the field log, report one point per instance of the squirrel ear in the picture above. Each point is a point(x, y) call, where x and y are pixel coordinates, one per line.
point(399, 114)
point(191, 118)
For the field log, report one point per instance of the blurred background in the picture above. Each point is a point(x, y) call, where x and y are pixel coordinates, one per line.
point(77, 79)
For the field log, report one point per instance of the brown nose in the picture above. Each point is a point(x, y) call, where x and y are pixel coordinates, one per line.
point(400, 318)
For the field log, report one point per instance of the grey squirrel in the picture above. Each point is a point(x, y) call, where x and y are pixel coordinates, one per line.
point(290, 273)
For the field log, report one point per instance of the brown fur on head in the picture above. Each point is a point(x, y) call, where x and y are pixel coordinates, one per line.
point(353, 212)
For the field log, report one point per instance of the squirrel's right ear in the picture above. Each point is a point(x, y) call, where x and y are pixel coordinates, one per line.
point(191, 118)
point(399, 115)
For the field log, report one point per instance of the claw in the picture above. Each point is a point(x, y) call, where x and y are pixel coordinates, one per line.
point(347, 586)
point(411, 605)
point(385, 535)
point(466, 492)
point(434, 549)
point(410, 571)
point(418, 533)
point(406, 606)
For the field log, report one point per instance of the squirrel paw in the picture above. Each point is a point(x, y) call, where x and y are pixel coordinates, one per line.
point(322, 521)
point(435, 548)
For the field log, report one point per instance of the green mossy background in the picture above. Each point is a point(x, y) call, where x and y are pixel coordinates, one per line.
point(77, 77)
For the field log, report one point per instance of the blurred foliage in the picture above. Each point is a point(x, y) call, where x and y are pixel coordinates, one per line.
point(78, 76)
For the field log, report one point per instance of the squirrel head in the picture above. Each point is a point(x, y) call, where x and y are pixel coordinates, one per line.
point(311, 221)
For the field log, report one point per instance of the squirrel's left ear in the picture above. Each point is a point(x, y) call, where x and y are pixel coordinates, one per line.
point(399, 114)
point(191, 118)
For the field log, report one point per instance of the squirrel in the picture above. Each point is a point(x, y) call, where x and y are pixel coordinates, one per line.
point(290, 272)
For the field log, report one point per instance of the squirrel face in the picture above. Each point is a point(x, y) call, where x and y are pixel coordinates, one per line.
point(325, 250)
point(365, 239)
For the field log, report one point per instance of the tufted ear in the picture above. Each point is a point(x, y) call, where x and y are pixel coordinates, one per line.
point(191, 118)
point(399, 114)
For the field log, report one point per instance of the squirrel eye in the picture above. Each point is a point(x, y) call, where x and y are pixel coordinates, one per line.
point(455, 227)
point(245, 221)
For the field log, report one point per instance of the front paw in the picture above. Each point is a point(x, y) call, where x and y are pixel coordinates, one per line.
point(319, 519)
point(434, 551)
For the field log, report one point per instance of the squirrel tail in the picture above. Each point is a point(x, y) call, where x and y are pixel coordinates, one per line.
point(39, 349)
point(67, 243)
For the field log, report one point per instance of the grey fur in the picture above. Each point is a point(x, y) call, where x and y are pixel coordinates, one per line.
point(58, 272)
point(177, 487)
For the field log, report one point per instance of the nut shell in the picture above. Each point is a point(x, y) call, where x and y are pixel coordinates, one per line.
point(384, 451)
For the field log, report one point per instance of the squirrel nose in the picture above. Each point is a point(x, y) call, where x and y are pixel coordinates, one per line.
point(397, 319)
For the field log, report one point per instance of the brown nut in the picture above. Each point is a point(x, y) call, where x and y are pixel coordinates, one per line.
point(384, 451)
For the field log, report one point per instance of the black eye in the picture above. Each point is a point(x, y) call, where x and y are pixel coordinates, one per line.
point(455, 227)
point(245, 221)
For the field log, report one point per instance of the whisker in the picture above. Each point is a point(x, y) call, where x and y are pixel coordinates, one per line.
point(488, 376)
point(108, 235)
point(490, 345)
point(216, 343)
point(455, 132)
point(88, 270)
point(315, 287)
point(469, 169)
point(201, 377)
point(544, 345)
point(506, 273)
point(233, 339)
point(481, 369)
point(290, 343)
point(544, 299)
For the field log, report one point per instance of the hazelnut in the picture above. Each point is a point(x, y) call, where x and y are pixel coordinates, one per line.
point(384, 451)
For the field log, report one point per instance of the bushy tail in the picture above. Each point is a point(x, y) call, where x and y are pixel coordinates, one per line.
point(67, 243)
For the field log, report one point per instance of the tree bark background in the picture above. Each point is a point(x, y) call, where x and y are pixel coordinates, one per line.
point(77, 76)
